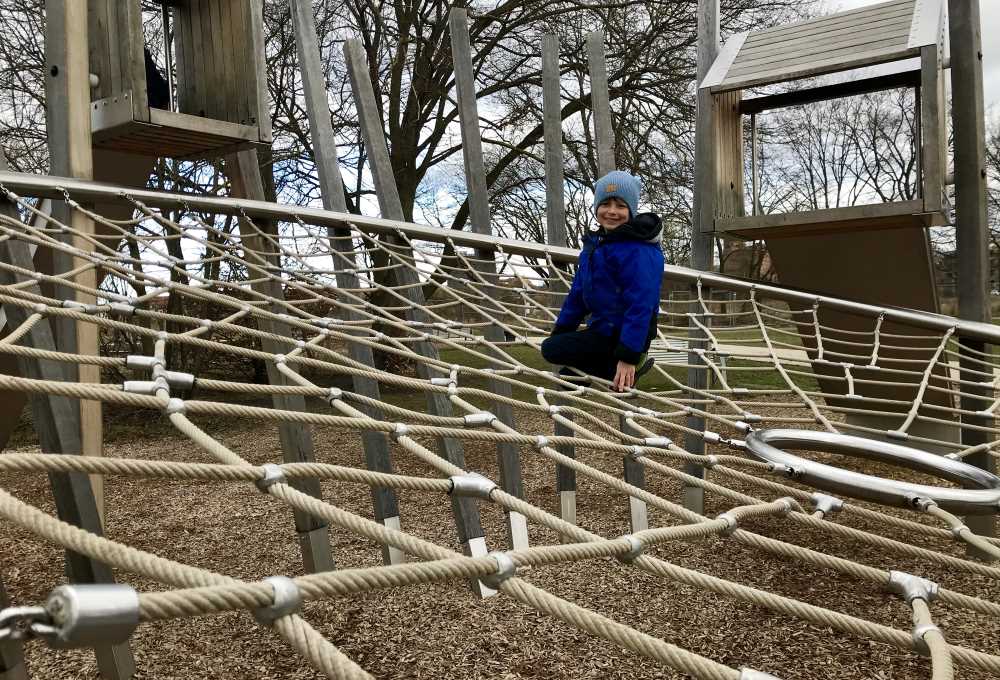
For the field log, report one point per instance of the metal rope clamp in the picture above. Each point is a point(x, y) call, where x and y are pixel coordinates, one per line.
point(273, 474)
point(473, 485)
point(826, 504)
point(287, 600)
point(505, 569)
point(911, 587)
point(636, 548)
point(919, 643)
point(90, 615)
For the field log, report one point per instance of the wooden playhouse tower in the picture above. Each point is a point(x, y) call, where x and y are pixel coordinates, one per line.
point(221, 102)
point(880, 253)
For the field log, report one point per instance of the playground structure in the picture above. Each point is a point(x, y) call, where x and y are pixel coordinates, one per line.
point(306, 310)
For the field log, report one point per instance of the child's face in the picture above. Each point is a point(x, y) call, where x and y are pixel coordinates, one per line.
point(612, 213)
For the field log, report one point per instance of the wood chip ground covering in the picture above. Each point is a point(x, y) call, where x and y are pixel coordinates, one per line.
point(441, 631)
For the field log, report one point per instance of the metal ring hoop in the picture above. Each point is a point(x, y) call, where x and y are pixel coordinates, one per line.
point(983, 498)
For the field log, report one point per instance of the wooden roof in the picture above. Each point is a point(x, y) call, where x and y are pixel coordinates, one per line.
point(888, 31)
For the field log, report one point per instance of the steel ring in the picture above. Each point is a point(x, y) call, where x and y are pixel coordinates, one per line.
point(980, 497)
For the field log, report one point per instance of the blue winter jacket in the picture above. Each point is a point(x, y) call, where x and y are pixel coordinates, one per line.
point(617, 283)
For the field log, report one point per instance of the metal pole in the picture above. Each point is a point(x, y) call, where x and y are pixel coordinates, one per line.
point(972, 231)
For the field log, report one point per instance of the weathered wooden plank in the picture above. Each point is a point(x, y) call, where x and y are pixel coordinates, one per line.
point(262, 101)
point(100, 57)
point(378, 456)
point(296, 438)
point(243, 65)
point(218, 84)
point(804, 56)
point(508, 453)
point(703, 219)
point(816, 68)
point(889, 215)
point(464, 510)
point(927, 27)
point(204, 126)
point(722, 64)
point(133, 59)
point(729, 150)
point(933, 132)
point(555, 207)
point(600, 101)
point(635, 474)
point(116, 32)
point(972, 238)
point(234, 95)
point(840, 38)
point(858, 16)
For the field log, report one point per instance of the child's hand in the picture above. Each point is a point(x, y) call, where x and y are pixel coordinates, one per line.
point(624, 377)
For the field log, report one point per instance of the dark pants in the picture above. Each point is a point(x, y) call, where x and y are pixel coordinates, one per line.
point(586, 351)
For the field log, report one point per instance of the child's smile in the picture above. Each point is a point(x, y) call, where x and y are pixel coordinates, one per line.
point(612, 213)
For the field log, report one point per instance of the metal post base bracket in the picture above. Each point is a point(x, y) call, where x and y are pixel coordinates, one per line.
point(982, 499)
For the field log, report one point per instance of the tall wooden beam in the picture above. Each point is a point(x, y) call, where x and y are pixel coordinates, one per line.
point(971, 226)
point(508, 453)
point(296, 438)
point(555, 231)
point(56, 420)
point(378, 456)
point(465, 511)
point(702, 224)
point(67, 91)
point(601, 102)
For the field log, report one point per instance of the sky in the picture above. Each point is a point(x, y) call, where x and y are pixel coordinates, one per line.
point(989, 11)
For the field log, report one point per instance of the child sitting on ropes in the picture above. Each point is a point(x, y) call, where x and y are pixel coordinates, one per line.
point(617, 284)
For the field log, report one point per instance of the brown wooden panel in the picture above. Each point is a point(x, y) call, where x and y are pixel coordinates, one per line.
point(131, 56)
point(100, 56)
point(225, 39)
point(729, 154)
point(117, 32)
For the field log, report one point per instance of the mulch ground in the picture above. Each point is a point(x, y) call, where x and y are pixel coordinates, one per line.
point(441, 631)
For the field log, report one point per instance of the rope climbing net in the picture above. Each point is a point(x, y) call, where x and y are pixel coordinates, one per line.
point(325, 315)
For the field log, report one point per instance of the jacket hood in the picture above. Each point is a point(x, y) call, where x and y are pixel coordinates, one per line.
point(643, 227)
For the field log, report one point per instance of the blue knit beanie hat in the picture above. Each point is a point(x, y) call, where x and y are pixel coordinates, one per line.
point(618, 184)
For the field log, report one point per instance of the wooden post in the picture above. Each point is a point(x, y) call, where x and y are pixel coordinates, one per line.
point(508, 453)
point(470, 532)
point(296, 438)
point(11, 654)
point(702, 223)
point(555, 231)
point(634, 474)
point(67, 88)
point(378, 456)
point(601, 103)
point(972, 232)
point(57, 423)
point(555, 207)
